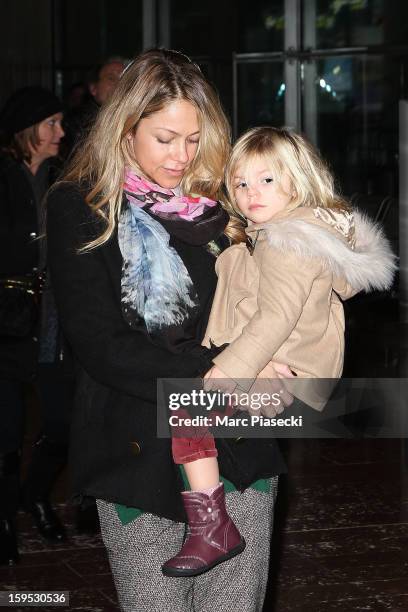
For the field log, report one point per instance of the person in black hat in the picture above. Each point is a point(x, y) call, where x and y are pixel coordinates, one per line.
point(30, 133)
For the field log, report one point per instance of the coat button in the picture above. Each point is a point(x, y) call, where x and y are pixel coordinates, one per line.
point(135, 448)
point(33, 235)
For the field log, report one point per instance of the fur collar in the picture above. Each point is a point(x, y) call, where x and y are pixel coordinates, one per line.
point(370, 265)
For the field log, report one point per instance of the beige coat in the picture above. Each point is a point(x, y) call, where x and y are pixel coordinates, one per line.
point(282, 302)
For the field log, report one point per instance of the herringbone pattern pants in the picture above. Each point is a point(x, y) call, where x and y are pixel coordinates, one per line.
point(137, 550)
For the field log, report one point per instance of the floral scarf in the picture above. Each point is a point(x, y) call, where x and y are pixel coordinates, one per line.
point(155, 285)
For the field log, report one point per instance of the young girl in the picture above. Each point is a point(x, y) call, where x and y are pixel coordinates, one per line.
point(278, 296)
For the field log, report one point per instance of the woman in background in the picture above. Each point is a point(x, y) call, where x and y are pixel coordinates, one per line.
point(31, 132)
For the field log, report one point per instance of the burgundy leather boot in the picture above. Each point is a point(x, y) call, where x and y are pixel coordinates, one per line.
point(211, 536)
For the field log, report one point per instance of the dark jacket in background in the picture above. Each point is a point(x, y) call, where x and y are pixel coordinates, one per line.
point(19, 253)
point(77, 124)
point(115, 452)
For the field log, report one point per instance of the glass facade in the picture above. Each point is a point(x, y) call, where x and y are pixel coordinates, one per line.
point(353, 101)
point(333, 69)
point(354, 23)
point(261, 25)
point(202, 28)
point(261, 94)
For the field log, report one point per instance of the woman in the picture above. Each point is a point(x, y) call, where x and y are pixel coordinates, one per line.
point(31, 132)
point(163, 133)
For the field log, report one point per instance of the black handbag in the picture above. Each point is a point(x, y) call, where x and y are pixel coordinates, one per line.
point(19, 305)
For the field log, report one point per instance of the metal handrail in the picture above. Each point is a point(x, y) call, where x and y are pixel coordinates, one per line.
point(302, 54)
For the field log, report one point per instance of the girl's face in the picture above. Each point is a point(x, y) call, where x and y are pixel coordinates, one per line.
point(257, 194)
point(166, 142)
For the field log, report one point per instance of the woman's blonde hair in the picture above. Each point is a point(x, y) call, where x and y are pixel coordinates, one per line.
point(285, 152)
point(155, 78)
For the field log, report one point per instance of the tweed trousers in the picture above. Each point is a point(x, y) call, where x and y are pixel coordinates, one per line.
point(137, 550)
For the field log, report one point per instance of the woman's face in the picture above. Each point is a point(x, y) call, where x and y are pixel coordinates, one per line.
point(166, 142)
point(50, 133)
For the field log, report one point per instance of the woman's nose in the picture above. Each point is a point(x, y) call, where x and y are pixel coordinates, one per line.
point(60, 130)
point(180, 153)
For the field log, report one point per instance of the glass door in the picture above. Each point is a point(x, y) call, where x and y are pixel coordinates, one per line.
point(350, 111)
point(344, 96)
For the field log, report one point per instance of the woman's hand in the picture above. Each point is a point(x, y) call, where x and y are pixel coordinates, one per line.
point(217, 380)
point(274, 369)
point(270, 381)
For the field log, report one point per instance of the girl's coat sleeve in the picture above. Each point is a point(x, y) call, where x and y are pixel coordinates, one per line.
point(284, 285)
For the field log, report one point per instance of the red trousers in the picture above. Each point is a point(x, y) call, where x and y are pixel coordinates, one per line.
point(191, 443)
point(186, 450)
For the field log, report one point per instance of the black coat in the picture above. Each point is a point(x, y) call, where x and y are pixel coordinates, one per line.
point(115, 452)
point(19, 255)
point(18, 220)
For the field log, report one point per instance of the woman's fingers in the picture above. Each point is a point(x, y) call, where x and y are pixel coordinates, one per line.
point(286, 398)
point(269, 395)
point(282, 370)
point(274, 369)
point(217, 380)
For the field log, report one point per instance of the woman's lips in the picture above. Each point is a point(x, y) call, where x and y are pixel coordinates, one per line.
point(175, 172)
point(255, 206)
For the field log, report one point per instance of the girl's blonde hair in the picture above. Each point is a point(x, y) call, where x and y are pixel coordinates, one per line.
point(155, 78)
point(286, 152)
